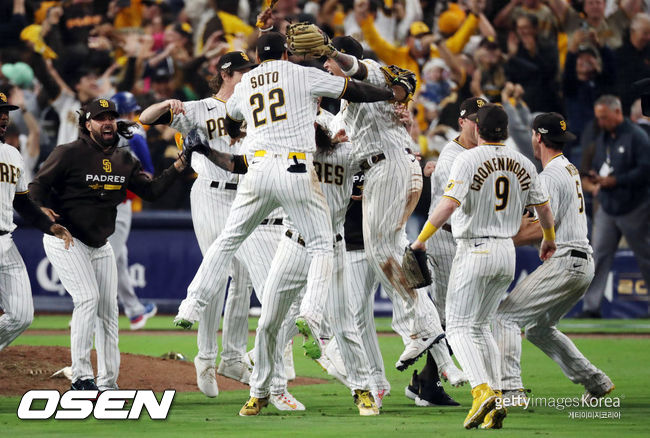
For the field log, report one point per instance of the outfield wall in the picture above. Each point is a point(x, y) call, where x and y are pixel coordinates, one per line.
point(164, 255)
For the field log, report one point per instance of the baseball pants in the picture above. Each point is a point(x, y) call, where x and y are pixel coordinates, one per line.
point(607, 232)
point(481, 272)
point(537, 303)
point(15, 293)
point(268, 185)
point(125, 292)
point(90, 277)
point(209, 208)
point(441, 249)
point(287, 278)
point(391, 191)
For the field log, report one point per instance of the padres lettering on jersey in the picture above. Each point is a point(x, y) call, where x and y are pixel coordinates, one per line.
point(208, 116)
point(279, 101)
point(12, 181)
point(502, 183)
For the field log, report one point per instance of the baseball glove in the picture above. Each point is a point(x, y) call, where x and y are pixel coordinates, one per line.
point(399, 76)
point(415, 268)
point(308, 40)
point(193, 142)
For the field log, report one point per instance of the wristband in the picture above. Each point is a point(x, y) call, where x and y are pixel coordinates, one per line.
point(549, 233)
point(428, 231)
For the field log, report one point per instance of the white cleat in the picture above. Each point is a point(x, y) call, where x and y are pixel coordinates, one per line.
point(237, 370)
point(413, 351)
point(286, 402)
point(206, 378)
point(598, 386)
point(287, 359)
point(454, 376)
point(515, 397)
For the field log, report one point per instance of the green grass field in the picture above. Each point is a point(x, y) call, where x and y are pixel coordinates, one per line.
point(330, 411)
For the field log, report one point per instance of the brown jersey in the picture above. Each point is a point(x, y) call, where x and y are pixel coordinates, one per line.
point(84, 183)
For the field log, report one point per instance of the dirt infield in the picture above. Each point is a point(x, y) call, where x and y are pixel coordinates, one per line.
point(26, 367)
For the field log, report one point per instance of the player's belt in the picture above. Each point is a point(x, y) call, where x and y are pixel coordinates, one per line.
point(271, 222)
point(299, 238)
point(579, 254)
point(227, 186)
point(367, 164)
point(2, 233)
point(446, 227)
point(291, 155)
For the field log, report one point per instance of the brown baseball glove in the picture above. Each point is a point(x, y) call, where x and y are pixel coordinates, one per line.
point(415, 268)
point(400, 76)
point(307, 39)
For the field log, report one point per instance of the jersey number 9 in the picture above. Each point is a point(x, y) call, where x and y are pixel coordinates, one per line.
point(501, 191)
point(276, 98)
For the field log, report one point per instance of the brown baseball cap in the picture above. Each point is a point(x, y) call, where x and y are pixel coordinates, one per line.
point(233, 61)
point(4, 105)
point(491, 118)
point(470, 106)
point(553, 127)
point(100, 106)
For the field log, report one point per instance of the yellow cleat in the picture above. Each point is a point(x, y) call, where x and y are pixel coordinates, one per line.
point(253, 406)
point(365, 402)
point(484, 401)
point(494, 418)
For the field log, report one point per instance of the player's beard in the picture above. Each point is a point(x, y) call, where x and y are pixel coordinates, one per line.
point(104, 140)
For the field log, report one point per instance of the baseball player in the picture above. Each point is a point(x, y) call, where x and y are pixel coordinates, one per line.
point(15, 291)
point(278, 100)
point(393, 182)
point(549, 292)
point(488, 187)
point(84, 181)
point(211, 196)
point(137, 312)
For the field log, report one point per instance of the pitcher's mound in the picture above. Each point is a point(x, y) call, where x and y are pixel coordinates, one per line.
point(26, 367)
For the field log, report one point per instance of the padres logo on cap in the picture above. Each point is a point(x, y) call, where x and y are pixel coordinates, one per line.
point(245, 56)
point(563, 125)
point(103, 103)
point(480, 102)
point(3, 98)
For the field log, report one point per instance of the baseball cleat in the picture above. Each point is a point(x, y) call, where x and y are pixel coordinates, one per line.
point(433, 394)
point(494, 419)
point(330, 369)
point(84, 385)
point(484, 401)
point(286, 402)
point(514, 397)
point(365, 402)
point(253, 406)
point(454, 376)
point(311, 343)
point(413, 388)
point(413, 351)
point(139, 321)
point(237, 370)
point(598, 386)
point(206, 379)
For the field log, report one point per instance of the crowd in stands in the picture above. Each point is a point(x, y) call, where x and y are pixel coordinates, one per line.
point(530, 55)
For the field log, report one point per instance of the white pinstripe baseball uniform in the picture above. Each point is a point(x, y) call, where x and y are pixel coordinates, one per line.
point(211, 196)
point(391, 190)
point(278, 100)
point(441, 248)
point(289, 276)
point(548, 293)
point(492, 184)
point(15, 290)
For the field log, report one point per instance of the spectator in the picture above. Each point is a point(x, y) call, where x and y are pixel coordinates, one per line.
point(588, 74)
point(519, 120)
point(12, 21)
point(535, 65)
point(633, 60)
point(27, 144)
point(609, 30)
point(547, 23)
point(490, 74)
point(617, 173)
